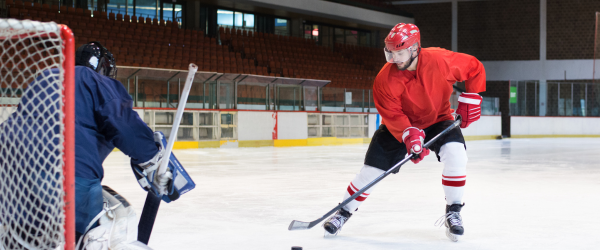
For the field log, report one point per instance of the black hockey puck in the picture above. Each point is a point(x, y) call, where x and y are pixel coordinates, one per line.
point(296, 248)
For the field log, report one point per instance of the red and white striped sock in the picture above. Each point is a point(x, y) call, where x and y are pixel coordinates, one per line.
point(454, 176)
point(364, 177)
point(454, 188)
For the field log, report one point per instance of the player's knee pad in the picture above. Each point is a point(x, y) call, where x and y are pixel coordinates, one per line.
point(454, 157)
point(118, 226)
point(367, 174)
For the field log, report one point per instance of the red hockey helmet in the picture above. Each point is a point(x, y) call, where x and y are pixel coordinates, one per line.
point(401, 37)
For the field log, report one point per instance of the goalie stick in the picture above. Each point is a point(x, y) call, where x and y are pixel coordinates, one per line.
point(152, 201)
point(300, 225)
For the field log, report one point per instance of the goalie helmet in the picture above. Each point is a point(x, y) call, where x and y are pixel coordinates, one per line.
point(95, 56)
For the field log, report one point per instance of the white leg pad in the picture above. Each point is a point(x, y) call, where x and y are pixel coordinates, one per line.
point(364, 177)
point(117, 229)
point(454, 157)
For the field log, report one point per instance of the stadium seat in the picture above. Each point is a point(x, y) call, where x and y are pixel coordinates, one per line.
point(238, 50)
point(13, 13)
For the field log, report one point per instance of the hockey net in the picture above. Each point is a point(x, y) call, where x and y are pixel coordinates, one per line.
point(36, 135)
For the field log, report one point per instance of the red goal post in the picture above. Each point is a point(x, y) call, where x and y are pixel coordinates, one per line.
point(37, 135)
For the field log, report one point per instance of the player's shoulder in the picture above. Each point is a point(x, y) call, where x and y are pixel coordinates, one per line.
point(85, 75)
point(383, 77)
point(436, 56)
point(99, 83)
point(89, 76)
point(83, 70)
point(435, 53)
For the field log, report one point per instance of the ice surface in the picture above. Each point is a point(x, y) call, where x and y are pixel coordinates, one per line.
point(520, 194)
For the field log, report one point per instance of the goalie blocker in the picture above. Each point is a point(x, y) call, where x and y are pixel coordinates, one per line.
point(178, 185)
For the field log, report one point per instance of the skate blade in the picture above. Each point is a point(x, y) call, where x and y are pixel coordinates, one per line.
point(451, 236)
point(328, 235)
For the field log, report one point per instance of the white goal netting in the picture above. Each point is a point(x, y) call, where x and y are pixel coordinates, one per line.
point(31, 136)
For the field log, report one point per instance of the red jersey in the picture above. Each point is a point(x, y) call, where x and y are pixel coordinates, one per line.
point(421, 98)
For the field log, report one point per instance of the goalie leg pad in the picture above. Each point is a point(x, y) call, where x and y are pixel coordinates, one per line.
point(118, 226)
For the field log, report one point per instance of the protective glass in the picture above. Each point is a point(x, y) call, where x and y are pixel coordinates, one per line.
point(398, 56)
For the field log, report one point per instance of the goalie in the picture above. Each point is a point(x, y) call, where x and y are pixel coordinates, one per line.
point(104, 119)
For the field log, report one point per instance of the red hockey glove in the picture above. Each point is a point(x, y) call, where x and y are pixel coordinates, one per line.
point(469, 107)
point(413, 139)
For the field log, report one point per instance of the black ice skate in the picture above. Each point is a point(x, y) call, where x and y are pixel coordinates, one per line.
point(334, 224)
point(453, 221)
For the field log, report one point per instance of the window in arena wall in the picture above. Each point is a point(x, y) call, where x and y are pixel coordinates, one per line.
point(172, 12)
point(282, 27)
point(364, 38)
point(194, 126)
point(92, 5)
point(228, 121)
point(235, 19)
point(225, 18)
point(311, 31)
point(248, 21)
point(206, 125)
point(352, 37)
point(328, 35)
point(339, 35)
point(146, 8)
point(238, 19)
point(124, 7)
point(338, 125)
point(314, 130)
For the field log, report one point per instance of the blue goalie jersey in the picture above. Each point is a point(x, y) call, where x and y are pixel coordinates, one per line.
point(104, 119)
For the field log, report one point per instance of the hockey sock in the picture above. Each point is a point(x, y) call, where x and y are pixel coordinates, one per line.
point(454, 157)
point(366, 175)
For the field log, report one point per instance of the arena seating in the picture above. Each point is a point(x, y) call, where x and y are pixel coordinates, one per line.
point(145, 42)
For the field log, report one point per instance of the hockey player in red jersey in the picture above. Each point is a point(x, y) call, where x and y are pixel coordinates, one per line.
point(412, 93)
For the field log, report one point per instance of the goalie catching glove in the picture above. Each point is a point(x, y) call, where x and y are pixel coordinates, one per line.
point(170, 185)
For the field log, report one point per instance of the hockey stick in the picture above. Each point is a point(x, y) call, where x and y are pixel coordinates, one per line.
point(180, 107)
point(148, 217)
point(152, 201)
point(299, 225)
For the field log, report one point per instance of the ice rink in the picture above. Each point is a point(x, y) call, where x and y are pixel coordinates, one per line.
point(520, 194)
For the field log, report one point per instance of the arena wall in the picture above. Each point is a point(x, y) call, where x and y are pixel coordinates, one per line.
point(335, 11)
point(487, 128)
point(534, 127)
point(5, 112)
point(258, 128)
point(290, 128)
